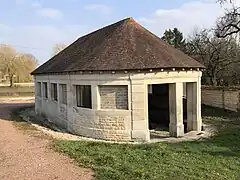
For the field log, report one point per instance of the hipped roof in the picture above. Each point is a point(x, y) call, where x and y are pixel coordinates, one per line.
point(124, 45)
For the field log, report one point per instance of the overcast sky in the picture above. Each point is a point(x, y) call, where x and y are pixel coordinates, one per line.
point(34, 26)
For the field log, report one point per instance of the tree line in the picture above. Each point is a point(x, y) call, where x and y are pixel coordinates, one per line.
point(217, 48)
point(15, 67)
point(220, 56)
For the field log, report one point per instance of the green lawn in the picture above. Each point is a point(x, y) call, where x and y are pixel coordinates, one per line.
point(216, 158)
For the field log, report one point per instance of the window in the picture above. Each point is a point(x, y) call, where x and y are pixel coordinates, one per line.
point(54, 95)
point(63, 93)
point(39, 90)
point(45, 90)
point(83, 96)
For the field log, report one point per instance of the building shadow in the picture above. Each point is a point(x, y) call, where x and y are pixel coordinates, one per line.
point(224, 143)
point(9, 111)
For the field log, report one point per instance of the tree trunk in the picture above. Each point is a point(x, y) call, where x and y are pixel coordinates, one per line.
point(11, 81)
point(213, 81)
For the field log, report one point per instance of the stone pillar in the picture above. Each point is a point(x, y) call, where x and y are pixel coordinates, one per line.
point(194, 120)
point(176, 127)
point(70, 104)
point(37, 103)
point(58, 96)
point(139, 107)
point(48, 100)
point(95, 97)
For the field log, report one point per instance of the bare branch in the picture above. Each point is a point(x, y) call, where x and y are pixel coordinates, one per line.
point(229, 24)
point(216, 54)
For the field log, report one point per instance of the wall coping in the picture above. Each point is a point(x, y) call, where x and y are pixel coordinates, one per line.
point(224, 88)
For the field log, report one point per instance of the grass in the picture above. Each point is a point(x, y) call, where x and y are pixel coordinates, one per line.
point(213, 159)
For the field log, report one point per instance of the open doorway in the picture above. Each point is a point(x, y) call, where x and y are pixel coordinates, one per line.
point(158, 107)
point(185, 107)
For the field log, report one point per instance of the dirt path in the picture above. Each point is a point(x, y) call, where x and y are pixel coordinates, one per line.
point(26, 157)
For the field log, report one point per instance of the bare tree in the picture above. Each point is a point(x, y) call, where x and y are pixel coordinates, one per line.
point(58, 48)
point(225, 1)
point(229, 24)
point(216, 54)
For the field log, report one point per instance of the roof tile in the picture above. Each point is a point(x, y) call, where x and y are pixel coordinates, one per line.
point(124, 45)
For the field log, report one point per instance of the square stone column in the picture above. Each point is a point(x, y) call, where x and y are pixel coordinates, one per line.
point(176, 127)
point(95, 97)
point(194, 120)
point(58, 96)
point(139, 108)
point(49, 89)
point(70, 103)
point(37, 100)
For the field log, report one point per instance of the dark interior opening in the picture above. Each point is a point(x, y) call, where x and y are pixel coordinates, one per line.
point(185, 114)
point(158, 108)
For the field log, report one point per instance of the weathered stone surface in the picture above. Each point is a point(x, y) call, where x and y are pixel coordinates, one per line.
point(119, 104)
point(176, 128)
point(113, 97)
point(226, 99)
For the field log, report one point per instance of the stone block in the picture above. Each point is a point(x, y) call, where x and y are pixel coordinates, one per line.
point(176, 130)
point(138, 115)
point(141, 135)
point(138, 88)
point(140, 125)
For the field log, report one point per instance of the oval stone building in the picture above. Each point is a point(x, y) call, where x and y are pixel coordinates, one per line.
point(119, 82)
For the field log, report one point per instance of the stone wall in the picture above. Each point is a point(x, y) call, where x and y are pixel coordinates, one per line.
point(119, 103)
point(113, 97)
point(111, 120)
point(225, 98)
point(102, 124)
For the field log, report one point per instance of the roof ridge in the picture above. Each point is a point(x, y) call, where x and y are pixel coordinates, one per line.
point(123, 45)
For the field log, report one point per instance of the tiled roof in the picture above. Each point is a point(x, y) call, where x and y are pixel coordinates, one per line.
point(124, 45)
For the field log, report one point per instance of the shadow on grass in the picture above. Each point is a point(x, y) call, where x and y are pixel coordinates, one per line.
point(226, 141)
point(218, 112)
point(8, 110)
point(18, 121)
point(215, 158)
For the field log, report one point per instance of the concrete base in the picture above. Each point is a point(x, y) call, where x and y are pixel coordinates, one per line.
point(176, 130)
point(141, 135)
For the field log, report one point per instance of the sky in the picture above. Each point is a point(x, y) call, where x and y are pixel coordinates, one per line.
point(34, 26)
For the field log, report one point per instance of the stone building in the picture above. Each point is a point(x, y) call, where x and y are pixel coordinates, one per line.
point(105, 83)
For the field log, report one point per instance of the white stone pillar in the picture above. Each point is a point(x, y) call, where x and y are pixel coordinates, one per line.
point(95, 97)
point(58, 96)
point(176, 127)
point(139, 107)
point(194, 120)
point(40, 99)
point(70, 103)
point(37, 103)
